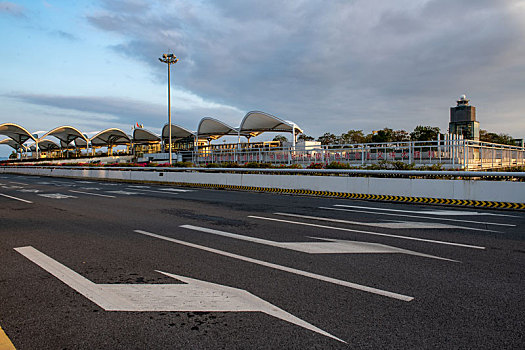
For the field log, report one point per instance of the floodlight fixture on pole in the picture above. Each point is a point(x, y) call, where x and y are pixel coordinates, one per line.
point(169, 59)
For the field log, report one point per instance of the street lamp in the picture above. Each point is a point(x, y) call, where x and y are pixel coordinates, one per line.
point(169, 59)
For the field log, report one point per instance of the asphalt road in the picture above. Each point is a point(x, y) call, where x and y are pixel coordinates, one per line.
point(285, 272)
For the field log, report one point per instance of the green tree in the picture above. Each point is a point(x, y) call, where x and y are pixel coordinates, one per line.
point(424, 133)
point(280, 138)
point(353, 136)
point(384, 135)
point(328, 139)
point(305, 137)
point(503, 139)
point(400, 136)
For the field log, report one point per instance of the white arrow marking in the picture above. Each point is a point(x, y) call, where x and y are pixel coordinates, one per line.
point(392, 224)
point(194, 296)
point(367, 232)
point(93, 194)
point(331, 246)
point(431, 212)
point(411, 216)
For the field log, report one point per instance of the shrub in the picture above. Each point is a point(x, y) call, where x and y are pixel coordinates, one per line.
point(337, 165)
point(315, 166)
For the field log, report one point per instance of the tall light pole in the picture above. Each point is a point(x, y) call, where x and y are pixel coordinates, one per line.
point(169, 59)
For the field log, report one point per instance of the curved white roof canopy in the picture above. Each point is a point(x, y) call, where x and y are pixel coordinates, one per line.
point(11, 143)
point(110, 137)
point(81, 143)
point(44, 145)
point(16, 133)
point(177, 132)
point(66, 134)
point(144, 136)
point(255, 123)
point(213, 129)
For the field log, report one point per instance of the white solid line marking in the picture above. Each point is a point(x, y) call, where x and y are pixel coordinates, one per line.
point(176, 190)
point(93, 194)
point(140, 189)
point(284, 268)
point(415, 216)
point(18, 199)
point(193, 296)
point(393, 225)
point(328, 246)
point(369, 233)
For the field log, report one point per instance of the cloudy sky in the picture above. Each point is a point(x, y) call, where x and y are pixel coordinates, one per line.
point(329, 66)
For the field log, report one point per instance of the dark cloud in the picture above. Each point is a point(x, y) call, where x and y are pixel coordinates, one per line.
point(360, 64)
point(12, 9)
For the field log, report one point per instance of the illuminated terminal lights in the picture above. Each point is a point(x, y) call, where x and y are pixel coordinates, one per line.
point(463, 120)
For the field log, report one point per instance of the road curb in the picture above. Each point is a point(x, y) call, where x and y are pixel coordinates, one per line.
point(373, 197)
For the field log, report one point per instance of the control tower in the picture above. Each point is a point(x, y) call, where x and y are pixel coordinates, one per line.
point(463, 120)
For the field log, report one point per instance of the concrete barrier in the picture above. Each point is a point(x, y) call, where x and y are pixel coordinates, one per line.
point(465, 190)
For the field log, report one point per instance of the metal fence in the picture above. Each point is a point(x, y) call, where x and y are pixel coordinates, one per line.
point(449, 154)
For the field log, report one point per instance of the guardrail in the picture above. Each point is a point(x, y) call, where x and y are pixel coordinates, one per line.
point(453, 153)
point(288, 171)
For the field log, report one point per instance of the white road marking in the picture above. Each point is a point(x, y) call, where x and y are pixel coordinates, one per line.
point(369, 232)
point(175, 190)
point(85, 182)
point(93, 194)
point(55, 195)
point(62, 184)
point(91, 188)
point(138, 186)
point(45, 183)
point(123, 192)
point(462, 213)
point(392, 225)
point(416, 216)
point(428, 212)
point(15, 198)
point(29, 190)
point(18, 183)
point(330, 246)
point(284, 268)
point(154, 191)
point(12, 187)
point(193, 296)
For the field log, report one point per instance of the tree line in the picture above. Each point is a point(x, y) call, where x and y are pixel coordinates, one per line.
point(420, 133)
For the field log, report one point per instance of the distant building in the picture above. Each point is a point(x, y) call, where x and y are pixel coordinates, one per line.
point(463, 120)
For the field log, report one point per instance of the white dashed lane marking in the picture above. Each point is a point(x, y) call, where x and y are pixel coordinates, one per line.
point(15, 198)
point(284, 268)
point(56, 195)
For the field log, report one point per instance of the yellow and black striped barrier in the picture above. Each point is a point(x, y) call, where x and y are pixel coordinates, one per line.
point(375, 197)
